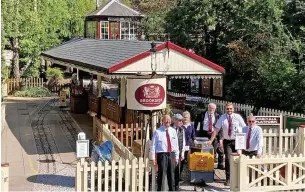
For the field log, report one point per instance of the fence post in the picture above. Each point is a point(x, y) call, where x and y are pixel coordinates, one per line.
point(243, 179)
point(234, 172)
point(281, 135)
point(4, 176)
point(302, 139)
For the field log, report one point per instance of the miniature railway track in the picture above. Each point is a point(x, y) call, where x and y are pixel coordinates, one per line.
point(68, 128)
point(43, 138)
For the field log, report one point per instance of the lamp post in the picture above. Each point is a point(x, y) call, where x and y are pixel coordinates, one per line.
point(153, 54)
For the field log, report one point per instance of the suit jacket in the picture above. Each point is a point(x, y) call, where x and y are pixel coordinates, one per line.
point(200, 118)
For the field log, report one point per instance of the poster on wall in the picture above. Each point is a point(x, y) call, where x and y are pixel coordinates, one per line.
point(217, 87)
point(205, 86)
point(195, 85)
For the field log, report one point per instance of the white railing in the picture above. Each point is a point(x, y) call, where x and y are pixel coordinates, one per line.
point(269, 173)
point(243, 107)
point(102, 133)
point(124, 175)
point(277, 141)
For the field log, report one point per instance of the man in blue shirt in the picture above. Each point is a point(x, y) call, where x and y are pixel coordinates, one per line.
point(254, 141)
point(165, 145)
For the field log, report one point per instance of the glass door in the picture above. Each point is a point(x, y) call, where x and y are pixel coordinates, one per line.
point(114, 30)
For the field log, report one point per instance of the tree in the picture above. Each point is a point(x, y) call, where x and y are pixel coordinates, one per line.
point(31, 27)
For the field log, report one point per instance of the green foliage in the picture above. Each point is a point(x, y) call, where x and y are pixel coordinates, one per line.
point(54, 72)
point(31, 27)
point(260, 43)
point(5, 72)
point(33, 92)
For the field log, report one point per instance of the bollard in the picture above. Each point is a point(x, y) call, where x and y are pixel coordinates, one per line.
point(4, 176)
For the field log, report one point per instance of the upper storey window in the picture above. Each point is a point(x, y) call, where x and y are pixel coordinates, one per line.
point(104, 30)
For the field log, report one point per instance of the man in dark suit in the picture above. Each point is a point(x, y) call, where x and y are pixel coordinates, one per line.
point(207, 120)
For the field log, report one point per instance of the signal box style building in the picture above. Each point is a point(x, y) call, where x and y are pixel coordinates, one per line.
point(113, 20)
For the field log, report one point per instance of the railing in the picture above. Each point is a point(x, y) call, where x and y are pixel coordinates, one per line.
point(111, 110)
point(16, 84)
point(4, 176)
point(270, 173)
point(277, 141)
point(102, 132)
point(128, 175)
point(243, 107)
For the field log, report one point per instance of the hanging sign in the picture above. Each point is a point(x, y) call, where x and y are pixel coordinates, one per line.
point(146, 93)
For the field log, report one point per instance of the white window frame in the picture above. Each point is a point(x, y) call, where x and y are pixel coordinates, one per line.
point(128, 35)
point(104, 28)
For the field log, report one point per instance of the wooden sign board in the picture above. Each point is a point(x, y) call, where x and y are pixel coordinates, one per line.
point(217, 87)
point(268, 120)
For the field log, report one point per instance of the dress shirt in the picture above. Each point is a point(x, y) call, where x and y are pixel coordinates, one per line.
point(159, 142)
point(206, 121)
point(256, 139)
point(237, 125)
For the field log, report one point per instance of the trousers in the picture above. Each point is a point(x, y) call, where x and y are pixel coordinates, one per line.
point(229, 147)
point(166, 168)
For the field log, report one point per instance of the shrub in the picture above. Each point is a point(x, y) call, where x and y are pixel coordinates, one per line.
point(54, 72)
point(33, 92)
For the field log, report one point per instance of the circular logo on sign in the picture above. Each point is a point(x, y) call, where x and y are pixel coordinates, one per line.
point(150, 95)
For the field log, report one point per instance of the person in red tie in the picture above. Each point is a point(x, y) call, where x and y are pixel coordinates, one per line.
point(254, 135)
point(165, 145)
point(231, 123)
point(207, 121)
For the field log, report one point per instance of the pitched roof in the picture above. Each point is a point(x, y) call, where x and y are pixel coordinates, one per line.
point(97, 54)
point(114, 8)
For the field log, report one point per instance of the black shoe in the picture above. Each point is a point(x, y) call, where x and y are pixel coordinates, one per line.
point(220, 166)
point(227, 183)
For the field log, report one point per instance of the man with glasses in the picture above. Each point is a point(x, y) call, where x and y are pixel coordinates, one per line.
point(231, 123)
point(207, 121)
point(254, 135)
point(177, 125)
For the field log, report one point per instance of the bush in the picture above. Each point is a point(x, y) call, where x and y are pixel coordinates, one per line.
point(33, 92)
point(54, 72)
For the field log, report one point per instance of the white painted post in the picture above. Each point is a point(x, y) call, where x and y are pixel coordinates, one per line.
point(243, 179)
point(77, 75)
point(281, 135)
point(234, 172)
point(301, 140)
point(154, 121)
point(4, 177)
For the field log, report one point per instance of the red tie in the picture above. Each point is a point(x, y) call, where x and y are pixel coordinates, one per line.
point(210, 123)
point(230, 126)
point(248, 138)
point(169, 145)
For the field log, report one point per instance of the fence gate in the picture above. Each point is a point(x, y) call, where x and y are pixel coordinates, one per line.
point(123, 175)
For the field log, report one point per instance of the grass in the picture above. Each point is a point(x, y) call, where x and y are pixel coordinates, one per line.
point(33, 92)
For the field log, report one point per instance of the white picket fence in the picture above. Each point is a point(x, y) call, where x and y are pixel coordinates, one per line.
point(269, 173)
point(124, 175)
point(277, 141)
point(243, 107)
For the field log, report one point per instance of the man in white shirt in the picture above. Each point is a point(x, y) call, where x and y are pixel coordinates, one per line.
point(207, 121)
point(165, 145)
point(231, 123)
point(254, 135)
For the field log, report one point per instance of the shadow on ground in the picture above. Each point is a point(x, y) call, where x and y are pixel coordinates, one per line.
point(54, 180)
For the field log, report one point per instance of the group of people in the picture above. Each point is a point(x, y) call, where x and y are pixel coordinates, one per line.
point(171, 142)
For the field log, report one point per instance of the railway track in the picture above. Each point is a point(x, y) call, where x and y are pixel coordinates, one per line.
point(44, 141)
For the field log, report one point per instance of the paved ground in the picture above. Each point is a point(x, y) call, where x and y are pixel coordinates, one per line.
point(39, 144)
point(38, 141)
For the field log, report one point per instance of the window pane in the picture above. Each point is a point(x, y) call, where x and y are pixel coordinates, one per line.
point(104, 29)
